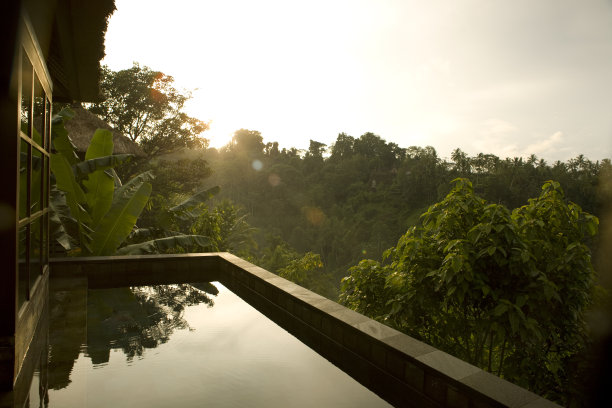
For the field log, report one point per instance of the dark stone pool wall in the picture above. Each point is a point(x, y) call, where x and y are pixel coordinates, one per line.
point(400, 369)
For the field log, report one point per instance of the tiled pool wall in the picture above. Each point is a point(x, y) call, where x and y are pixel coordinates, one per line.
point(400, 369)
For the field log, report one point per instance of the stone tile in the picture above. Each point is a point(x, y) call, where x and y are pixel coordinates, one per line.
point(315, 319)
point(277, 281)
point(326, 326)
point(350, 339)
point(378, 355)
point(395, 363)
point(308, 296)
point(349, 316)
point(259, 272)
point(337, 333)
point(328, 306)
point(364, 345)
point(541, 403)
point(499, 390)
point(449, 365)
point(414, 375)
point(435, 387)
point(233, 259)
point(377, 330)
point(408, 345)
point(456, 399)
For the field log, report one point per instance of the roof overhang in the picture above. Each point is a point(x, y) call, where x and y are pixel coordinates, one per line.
point(71, 37)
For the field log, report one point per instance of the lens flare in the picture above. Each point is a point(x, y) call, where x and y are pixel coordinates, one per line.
point(314, 215)
point(274, 179)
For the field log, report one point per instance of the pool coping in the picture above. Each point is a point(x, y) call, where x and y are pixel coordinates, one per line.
point(402, 370)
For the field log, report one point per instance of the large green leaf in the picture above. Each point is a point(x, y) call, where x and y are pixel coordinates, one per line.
point(86, 167)
point(196, 199)
point(161, 245)
point(120, 219)
point(75, 196)
point(99, 185)
point(59, 136)
point(60, 220)
point(65, 179)
point(101, 144)
point(100, 188)
point(134, 183)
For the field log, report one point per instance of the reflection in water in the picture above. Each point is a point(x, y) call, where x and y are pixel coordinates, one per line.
point(187, 353)
point(130, 319)
point(138, 318)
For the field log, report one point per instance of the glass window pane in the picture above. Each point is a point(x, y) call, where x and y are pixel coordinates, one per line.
point(39, 112)
point(23, 179)
point(47, 124)
point(45, 239)
point(22, 279)
point(45, 181)
point(26, 93)
point(35, 252)
point(36, 183)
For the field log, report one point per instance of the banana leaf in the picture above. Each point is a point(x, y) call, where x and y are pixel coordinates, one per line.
point(75, 196)
point(134, 183)
point(99, 185)
point(161, 245)
point(196, 199)
point(114, 228)
point(60, 220)
point(87, 167)
point(101, 144)
point(59, 136)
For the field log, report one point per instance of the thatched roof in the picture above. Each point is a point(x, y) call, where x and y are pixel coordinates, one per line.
point(84, 124)
point(71, 36)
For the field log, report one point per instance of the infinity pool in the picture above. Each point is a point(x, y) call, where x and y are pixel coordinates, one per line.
point(182, 345)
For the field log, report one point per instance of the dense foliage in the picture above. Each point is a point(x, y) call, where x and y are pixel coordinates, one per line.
point(503, 290)
point(356, 198)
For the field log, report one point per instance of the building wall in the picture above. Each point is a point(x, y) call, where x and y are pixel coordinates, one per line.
point(24, 199)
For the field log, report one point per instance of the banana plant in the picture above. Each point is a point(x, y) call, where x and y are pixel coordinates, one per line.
point(102, 214)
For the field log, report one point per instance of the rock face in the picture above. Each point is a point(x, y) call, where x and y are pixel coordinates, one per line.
point(84, 124)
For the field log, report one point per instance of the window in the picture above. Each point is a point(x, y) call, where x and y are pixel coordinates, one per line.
point(34, 140)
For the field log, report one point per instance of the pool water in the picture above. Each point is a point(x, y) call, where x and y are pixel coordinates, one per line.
point(174, 345)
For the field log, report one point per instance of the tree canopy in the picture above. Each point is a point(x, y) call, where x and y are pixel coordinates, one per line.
point(145, 106)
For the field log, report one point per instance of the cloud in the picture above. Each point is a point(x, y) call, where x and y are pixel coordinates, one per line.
point(546, 146)
point(495, 136)
point(497, 127)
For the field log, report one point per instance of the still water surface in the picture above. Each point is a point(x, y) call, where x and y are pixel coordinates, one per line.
point(190, 353)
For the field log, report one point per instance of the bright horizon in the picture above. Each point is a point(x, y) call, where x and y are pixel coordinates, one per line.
point(508, 78)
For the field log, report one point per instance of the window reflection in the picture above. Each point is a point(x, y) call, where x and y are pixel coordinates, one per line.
point(47, 142)
point(22, 279)
point(35, 254)
point(23, 179)
point(36, 181)
point(39, 112)
point(45, 239)
point(26, 93)
point(45, 182)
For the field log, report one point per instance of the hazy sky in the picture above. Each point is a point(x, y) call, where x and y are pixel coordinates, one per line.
point(505, 77)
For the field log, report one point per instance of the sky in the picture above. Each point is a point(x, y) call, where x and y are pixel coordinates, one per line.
point(510, 78)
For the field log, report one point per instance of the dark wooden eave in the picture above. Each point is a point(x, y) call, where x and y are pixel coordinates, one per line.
point(71, 37)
